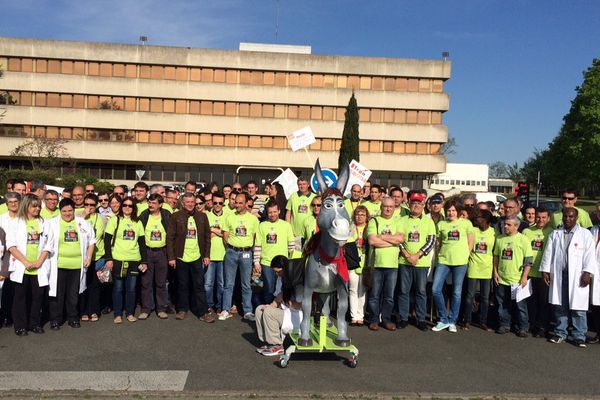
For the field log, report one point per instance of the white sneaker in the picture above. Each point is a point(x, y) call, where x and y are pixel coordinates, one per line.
point(440, 327)
point(223, 315)
point(249, 316)
point(452, 328)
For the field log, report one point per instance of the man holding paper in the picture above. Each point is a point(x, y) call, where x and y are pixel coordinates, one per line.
point(567, 266)
point(512, 261)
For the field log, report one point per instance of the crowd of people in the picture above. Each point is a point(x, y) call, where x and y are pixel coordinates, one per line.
point(217, 252)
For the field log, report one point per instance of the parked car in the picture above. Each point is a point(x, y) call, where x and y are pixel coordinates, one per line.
point(551, 205)
point(497, 198)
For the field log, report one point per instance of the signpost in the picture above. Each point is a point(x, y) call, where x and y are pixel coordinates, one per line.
point(329, 176)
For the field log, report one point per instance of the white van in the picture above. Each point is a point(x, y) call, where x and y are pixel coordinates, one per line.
point(497, 198)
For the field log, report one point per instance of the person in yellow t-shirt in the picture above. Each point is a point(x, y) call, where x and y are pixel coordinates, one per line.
point(125, 253)
point(239, 234)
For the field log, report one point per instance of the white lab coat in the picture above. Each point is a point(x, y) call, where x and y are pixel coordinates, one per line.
point(581, 259)
point(86, 238)
point(596, 282)
point(17, 237)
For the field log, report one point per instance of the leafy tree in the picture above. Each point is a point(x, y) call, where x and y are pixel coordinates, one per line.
point(42, 152)
point(350, 140)
point(514, 172)
point(571, 159)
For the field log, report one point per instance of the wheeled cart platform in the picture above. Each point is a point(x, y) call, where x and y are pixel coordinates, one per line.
point(323, 338)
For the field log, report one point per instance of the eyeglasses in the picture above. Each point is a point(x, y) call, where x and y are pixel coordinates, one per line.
point(50, 199)
point(200, 203)
point(127, 205)
point(89, 191)
point(103, 200)
point(89, 204)
point(218, 203)
point(568, 198)
point(315, 205)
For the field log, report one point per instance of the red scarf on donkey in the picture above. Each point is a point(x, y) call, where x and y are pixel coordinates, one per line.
point(339, 261)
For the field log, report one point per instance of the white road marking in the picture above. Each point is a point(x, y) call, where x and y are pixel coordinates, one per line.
point(93, 380)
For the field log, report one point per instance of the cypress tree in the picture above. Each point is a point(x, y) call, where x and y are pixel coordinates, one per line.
point(350, 139)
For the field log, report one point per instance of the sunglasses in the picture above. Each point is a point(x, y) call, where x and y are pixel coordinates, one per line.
point(568, 198)
point(218, 203)
point(315, 205)
point(103, 200)
point(90, 204)
point(200, 204)
point(127, 205)
point(89, 191)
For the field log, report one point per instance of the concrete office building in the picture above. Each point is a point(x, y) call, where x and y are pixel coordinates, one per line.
point(199, 114)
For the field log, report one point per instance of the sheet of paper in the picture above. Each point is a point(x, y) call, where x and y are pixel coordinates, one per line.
point(519, 293)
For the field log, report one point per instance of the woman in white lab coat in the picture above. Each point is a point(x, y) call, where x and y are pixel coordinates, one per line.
point(72, 253)
point(29, 244)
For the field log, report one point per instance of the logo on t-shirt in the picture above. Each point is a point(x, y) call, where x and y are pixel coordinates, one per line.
point(272, 237)
point(414, 235)
point(128, 233)
point(302, 209)
point(507, 253)
point(537, 244)
point(454, 234)
point(155, 234)
point(33, 237)
point(481, 247)
point(71, 235)
point(241, 229)
point(387, 230)
point(191, 231)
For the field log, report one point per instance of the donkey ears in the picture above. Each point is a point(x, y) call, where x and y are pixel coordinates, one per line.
point(342, 180)
point(320, 178)
point(344, 175)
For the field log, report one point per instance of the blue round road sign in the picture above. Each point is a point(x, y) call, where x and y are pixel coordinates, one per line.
point(329, 176)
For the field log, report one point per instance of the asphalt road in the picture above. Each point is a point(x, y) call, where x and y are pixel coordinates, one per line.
point(220, 358)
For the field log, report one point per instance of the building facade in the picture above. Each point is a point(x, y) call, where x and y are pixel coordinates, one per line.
point(463, 177)
point(202, 114)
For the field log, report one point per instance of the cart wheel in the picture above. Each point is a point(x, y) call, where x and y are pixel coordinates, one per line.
point(283, 362)
point(353, 361)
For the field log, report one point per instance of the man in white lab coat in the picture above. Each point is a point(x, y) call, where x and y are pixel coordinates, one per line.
point(596, 287)
point(567, 266)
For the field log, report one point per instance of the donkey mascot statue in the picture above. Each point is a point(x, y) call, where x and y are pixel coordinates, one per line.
point(326, 269)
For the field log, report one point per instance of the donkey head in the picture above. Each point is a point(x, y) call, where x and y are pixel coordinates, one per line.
point(334, 219)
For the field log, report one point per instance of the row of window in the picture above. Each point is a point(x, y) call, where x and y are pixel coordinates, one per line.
point(222, 108)
point(459, 182)
point(209, 139)
point(221, 75)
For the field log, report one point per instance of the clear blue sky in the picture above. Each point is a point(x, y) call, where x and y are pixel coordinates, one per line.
point(515, 64)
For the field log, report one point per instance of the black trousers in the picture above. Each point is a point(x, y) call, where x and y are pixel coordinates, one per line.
point(27, 303)
point(67, 296)
point(8, 294)
point(190, 278)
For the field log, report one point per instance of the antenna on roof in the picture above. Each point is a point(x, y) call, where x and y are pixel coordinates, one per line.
point(276, 20)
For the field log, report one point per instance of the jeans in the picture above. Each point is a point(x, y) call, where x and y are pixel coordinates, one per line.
point(382, 292)
point(562, 314)
point(214, 273)
point(126, 284)
point(269, 278)
point(407, 276)
point(233, 261)
point(505, 304)
point(458, 275)
point(484, 299)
